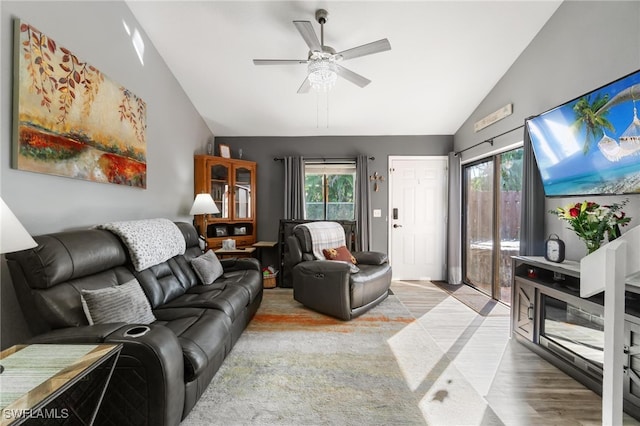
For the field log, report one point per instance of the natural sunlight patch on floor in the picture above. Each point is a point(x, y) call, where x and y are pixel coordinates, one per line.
point(484, 348)
point(440, 354)
point(447, 321)
point(415, 354)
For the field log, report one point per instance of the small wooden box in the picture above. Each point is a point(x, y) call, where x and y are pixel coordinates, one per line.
point(269, 281)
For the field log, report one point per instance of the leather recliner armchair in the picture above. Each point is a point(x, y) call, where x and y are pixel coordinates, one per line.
point(330, 287)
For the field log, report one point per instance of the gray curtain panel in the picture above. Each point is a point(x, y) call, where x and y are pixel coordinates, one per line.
point(363, 204)
point(293, 188)
point(454, 222)
point(533, 204)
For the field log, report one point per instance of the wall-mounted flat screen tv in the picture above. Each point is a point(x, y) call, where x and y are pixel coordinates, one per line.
point(591, 145)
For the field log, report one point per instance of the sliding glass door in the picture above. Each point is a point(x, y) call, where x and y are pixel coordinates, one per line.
point(478, 225)
point(492, 189)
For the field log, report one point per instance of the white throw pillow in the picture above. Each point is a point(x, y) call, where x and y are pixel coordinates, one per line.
point(207, 267)
point(121, 303)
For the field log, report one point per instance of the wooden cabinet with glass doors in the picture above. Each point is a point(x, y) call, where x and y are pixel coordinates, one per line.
point(232, 185)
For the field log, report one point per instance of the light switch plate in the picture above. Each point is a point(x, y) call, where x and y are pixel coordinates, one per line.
point(377, 213)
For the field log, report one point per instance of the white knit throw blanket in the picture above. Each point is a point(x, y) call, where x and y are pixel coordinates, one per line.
point(149, 241)
point(325, 235)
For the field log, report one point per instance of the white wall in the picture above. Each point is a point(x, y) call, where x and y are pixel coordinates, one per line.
point(94, 31)
point(585, 45)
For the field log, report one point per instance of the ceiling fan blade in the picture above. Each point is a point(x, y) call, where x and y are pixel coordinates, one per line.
point(366, 49)
point(353, 77)
point(309, 35)
point(305, 86)
point(279, 61)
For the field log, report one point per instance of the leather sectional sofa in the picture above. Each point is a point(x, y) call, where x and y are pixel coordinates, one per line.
point(162, 373)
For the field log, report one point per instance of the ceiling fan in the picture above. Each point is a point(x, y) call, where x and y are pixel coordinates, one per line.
point(323, 61)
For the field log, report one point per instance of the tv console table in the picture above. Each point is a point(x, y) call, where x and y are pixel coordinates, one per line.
point(549, 317)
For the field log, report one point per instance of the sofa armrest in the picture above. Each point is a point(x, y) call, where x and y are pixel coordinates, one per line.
point(158, 354)
point(154, 360)
point(323, 285)
point(371, 257)
point(293, 255)
point(88, 334)
point(240, 264)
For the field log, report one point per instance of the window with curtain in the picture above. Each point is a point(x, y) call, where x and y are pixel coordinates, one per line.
point(329, 190)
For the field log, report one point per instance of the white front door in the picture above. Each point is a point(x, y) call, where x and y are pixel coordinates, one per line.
point(418, 217)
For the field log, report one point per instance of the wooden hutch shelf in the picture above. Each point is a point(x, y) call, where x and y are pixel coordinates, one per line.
point(232, 185)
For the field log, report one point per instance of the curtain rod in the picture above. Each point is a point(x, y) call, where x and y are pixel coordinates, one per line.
point(490, 140)
point(324, 159)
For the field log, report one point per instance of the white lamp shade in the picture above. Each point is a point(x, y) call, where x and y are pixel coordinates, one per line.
point(203, 204)
point(13, 236)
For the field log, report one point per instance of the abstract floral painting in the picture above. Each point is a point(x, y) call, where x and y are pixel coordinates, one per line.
point(72, 120)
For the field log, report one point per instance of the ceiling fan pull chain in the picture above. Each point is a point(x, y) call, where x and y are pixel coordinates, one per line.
point(327, 110)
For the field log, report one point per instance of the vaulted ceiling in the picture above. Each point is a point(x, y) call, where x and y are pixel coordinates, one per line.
point(446, 57)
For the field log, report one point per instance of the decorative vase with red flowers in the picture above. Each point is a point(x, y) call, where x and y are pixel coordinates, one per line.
point(592, 221)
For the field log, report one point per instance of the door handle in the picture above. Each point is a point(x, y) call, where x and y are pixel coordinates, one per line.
point(395, 225)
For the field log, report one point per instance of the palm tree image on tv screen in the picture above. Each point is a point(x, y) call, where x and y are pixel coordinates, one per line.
point(591, 145)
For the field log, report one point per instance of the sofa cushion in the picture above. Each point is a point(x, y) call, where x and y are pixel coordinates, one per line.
point(339, 253)
point(207, 267)
point(64, 256)
point(164, 282)
point(193, 250)
point(232, 300)
point(248, 279)
point(123, 303)
point(191, 239)
point(59, 306)
point(342, 254)
point(204, 335)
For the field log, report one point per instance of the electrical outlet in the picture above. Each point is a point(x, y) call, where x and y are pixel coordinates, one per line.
point(377, 213)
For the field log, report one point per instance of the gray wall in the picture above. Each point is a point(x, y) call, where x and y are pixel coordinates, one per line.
point(583, 46)
point(175, 131)
point(271, 174)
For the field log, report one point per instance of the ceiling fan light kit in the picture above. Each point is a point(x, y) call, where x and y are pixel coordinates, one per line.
point(322, 73)
point(323, 68)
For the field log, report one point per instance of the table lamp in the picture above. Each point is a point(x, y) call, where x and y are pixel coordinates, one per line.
point(204, 205)
point(13, 236)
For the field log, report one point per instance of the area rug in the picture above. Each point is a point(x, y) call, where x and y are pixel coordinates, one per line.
point(293, 366)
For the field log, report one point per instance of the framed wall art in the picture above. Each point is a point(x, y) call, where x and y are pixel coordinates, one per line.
point(70, 119)
point(225, 151)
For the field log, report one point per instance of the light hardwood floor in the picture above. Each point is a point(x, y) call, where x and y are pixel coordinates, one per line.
point(482, 376)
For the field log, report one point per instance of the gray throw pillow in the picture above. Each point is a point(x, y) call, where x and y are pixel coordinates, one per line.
point(121, 303)
point(207, 267)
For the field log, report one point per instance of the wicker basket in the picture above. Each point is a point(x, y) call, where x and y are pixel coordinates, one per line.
point(269, 281)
